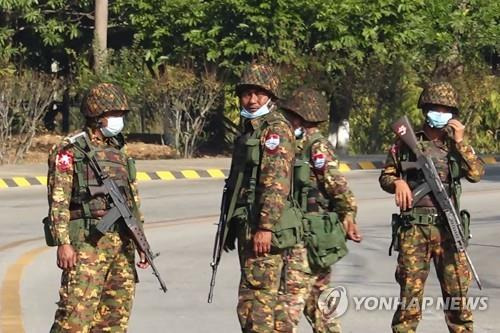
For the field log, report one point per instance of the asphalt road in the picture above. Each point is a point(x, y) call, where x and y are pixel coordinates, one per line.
point(181, 218)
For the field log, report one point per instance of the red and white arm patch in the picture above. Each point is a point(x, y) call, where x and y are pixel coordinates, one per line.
point(64, 161)
point(272, 142)
point(394, 149)
point(319, 160)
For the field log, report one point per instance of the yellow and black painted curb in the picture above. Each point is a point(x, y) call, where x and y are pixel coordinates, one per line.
point(203, 173)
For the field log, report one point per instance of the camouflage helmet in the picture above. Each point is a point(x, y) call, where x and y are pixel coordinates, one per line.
point(261, 76)
point(440, 93)
point(102, 98)
point(308, 103)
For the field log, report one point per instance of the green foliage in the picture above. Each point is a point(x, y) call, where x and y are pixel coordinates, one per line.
point(128, 69)
point(28, 25)
point(371, 58)
point(480, 109)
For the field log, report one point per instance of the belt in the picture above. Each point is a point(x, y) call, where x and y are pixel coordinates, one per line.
point(78, 214)
point(425, 210)
point(425, 216)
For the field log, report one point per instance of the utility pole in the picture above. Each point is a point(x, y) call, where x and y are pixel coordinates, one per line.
point(100, 34)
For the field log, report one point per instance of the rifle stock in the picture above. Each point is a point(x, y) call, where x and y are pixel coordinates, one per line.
point(402, 127)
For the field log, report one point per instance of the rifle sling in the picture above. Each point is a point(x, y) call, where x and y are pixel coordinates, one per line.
point(232, 206)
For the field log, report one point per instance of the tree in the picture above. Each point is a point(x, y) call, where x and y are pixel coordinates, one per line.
point(184, 100)
point(371, 58)
point(100, 34)
point(24, 99)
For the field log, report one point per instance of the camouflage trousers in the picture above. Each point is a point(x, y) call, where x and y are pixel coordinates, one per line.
point(258, 290)
point(418, 245)
point(303, 288)
point(295, 289)
point(96, 295)
point(320, 281)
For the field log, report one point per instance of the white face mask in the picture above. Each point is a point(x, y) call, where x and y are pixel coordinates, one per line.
point(437, 119)
point(299, 132)
point(264, 109)
point(114, 127)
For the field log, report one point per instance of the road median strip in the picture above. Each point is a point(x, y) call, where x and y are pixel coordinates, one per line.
point(203, 173)
point(11, 309)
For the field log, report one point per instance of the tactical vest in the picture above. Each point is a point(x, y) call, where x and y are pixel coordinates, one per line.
point(306, 190)
point(245, 198)
point(324, 235)
point(447, 165)
point(86, 208)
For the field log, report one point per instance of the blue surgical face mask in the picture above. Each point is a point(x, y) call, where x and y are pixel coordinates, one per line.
point(114, 127)
point(299, 132)
point(437, 119)
point(264, 109)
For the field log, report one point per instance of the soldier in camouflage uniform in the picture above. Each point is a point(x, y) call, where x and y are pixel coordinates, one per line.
point(307, 108)
point(98, 278)
point(260, 179)
point(421, 232)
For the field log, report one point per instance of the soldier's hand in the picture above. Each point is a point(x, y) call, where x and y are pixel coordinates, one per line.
point(404, 197)
point(458, 130)
point(351, 229)
point(142, 261)
point(262, 242)
point(66, 256)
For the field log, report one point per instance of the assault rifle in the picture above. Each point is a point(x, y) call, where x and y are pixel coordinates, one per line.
point(402, 127)
point(120, 209)
point(219, 242)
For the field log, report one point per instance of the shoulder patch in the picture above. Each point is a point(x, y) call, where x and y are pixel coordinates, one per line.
point(394, 149)
point(64, 160)
point(319, 160)
point(272, 142)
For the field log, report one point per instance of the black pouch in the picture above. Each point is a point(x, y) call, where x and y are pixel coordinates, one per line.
point(465, 219)
point(396, 223)
point(47, 230)
point(237, 228)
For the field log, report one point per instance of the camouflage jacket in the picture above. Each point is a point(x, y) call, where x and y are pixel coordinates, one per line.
point(63, 181)
point(442, 153)
point(332, 185)
point(275, 165)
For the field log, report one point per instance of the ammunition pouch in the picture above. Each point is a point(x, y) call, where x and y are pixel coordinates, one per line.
point(79, 231)
point(465, 219)
point(289, 231)
point(302, 173)
point(132, 170)
point(252, 152)
point(325, 239)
